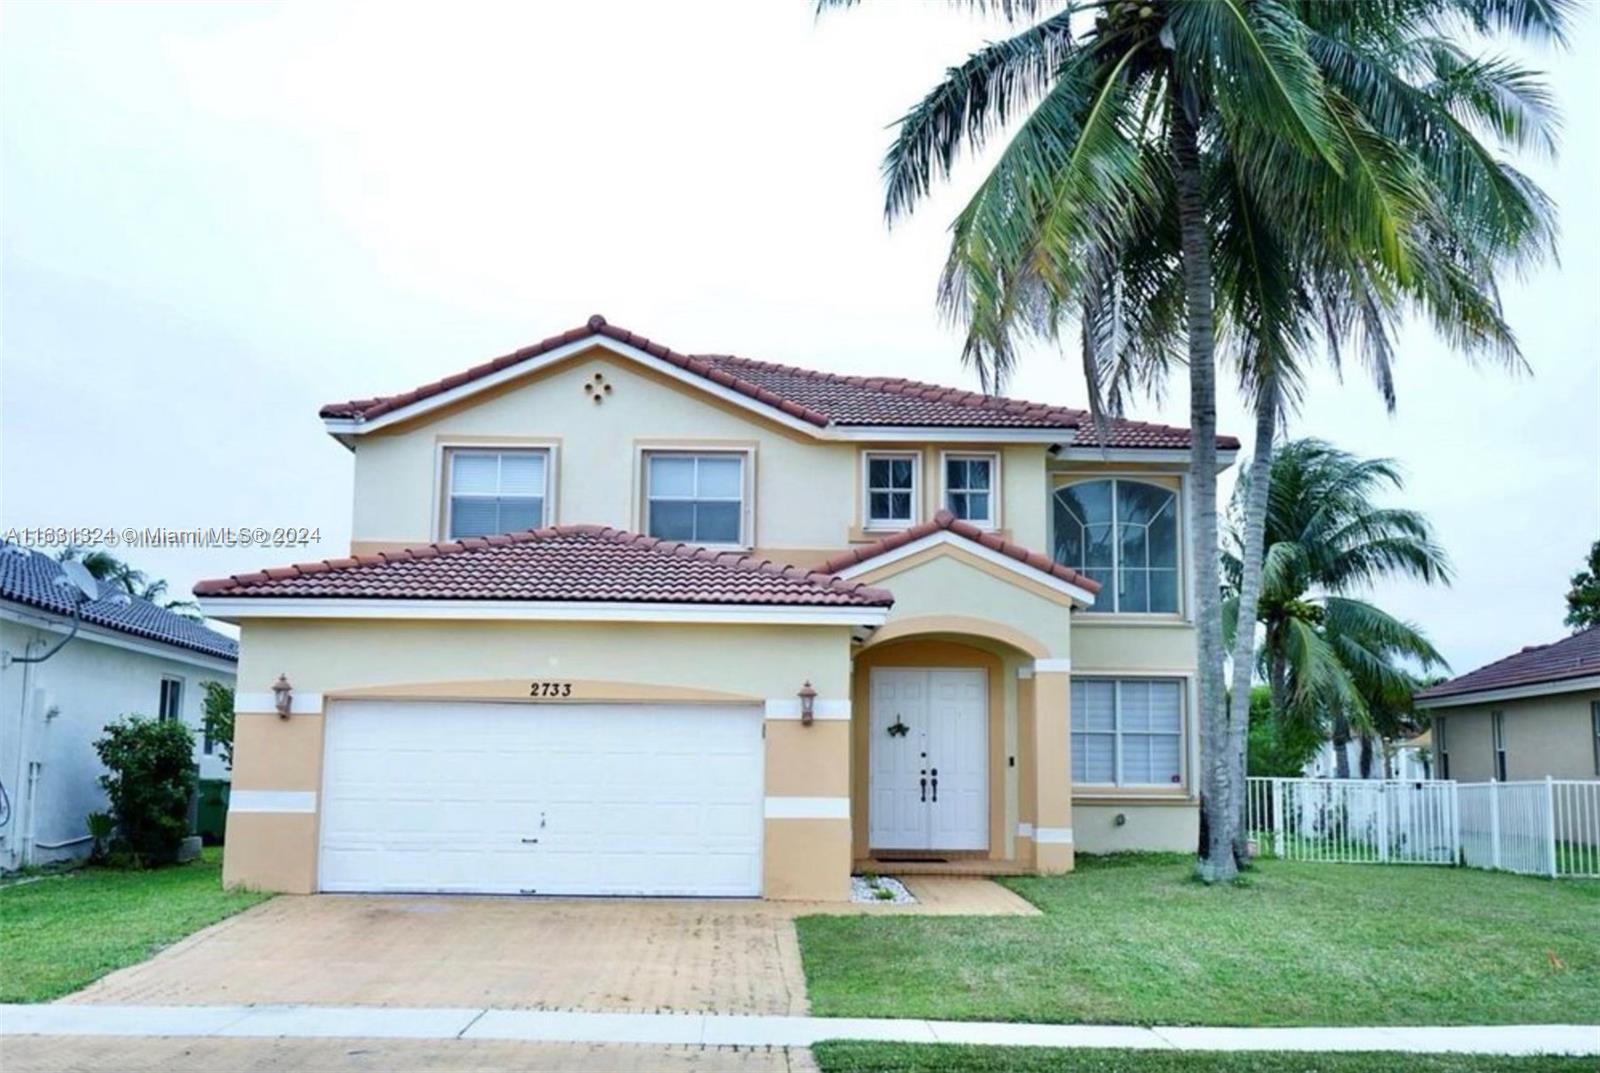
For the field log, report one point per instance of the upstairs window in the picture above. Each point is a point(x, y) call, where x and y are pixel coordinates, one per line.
point(1441, 745)
point(891, 486)
point(1127, 731)
point(969, 488)
point(493, 492)
point(1594, 717)
point(169, 708)
point(698, 498)
point(1123, 534)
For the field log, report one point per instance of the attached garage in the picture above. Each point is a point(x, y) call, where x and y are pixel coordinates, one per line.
point(620, 799)
point(566, 711)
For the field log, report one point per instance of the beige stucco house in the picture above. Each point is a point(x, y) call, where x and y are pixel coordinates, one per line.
point(1531, 715)
point(623, 620)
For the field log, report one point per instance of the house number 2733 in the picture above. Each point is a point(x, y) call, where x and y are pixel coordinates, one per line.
point(550, 689)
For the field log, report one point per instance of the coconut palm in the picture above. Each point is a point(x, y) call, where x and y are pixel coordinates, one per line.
point(104, 566)
point(1270, 173)
point(1331, 658)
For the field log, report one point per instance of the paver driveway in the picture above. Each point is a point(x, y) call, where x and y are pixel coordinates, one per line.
point(590, 954)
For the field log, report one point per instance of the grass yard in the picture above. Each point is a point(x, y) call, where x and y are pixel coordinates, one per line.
point(851, 1057)
point(63, 931)
point(1132, 939)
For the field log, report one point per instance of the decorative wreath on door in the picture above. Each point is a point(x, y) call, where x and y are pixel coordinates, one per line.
point(898, 728)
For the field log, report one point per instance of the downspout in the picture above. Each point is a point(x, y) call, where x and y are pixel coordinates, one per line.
point(21, 806)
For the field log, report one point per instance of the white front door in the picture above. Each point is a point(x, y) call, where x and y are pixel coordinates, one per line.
point(542, 798)
point(928, 755)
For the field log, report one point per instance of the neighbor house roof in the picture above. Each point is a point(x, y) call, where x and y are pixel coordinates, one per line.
point(944, 521)
point(817, 398)
point(29, 578)
point(1577, 656)
point(580, 563)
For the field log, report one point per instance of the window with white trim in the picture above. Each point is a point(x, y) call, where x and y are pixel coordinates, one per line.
point(1123, 534)
point(1442, 746)
point(1127, 731)
point(969, 488)
point(169, 708)
point(697, 498)
point(891, 486)
point(1498, 724)
point(492, 492)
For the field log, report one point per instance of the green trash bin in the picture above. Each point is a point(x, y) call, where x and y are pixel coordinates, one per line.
point(213, 818)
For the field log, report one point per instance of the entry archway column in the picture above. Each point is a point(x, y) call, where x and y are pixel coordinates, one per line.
point(1052, 758)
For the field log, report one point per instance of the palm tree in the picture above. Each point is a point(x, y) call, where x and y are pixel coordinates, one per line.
point(1330, 658)
point(104, 566)
point(1272, 173)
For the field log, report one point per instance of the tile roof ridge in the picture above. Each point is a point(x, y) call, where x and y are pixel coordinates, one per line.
point(947, 521)
point(899, 385)
point(596, 325)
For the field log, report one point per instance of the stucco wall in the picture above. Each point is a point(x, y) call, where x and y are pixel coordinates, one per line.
point(68, 700)
point(1550, 735)
point(1171, 828)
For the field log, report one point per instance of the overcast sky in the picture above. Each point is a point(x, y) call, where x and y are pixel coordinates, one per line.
point(217, 218)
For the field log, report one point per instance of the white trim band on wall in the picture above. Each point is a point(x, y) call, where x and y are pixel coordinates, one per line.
point(267, 704)
point(807, 808)
point(1053, 836)
point(789, 708)
point(1052, 666)
point(272, 801)
point(1024, 830)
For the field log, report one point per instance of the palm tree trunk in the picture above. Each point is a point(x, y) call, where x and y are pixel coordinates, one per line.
point(1341, 746)
point(1217, 798)
point(1366, 756)
point(1244, 638)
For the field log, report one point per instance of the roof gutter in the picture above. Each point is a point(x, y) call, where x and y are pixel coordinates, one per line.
point(1519, 692)
point(239, 608)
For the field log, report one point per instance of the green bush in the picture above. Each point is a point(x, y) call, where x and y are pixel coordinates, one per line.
point(218, 711)
point(150, 775)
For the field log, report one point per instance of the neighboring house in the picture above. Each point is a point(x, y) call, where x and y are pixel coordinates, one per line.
point(1527, 716)
point(129, 657)
point(986, 611)
point(1408, 760)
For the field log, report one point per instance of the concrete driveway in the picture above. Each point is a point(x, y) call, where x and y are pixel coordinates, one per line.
point(585, 954)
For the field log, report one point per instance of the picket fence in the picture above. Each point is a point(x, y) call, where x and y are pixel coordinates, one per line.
point(1548, 827)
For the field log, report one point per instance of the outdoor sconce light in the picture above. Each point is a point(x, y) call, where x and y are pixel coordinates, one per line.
point(808, 703)
point(282, 698)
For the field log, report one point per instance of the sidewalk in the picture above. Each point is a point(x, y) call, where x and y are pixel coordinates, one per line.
point(376, 1022)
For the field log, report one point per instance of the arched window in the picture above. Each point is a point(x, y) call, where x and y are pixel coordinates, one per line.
point(1124, 534)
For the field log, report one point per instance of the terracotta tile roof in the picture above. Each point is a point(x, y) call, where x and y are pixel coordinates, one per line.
point(567, 562)
point(944, 520)
point(818, 398)
point(29, 578)
point(1577, 656)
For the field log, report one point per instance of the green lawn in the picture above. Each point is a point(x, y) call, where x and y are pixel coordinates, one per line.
point(1133, 940)
point(849, 1057)
point(60, 932)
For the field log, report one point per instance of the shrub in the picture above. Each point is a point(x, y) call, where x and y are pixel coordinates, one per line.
point(102, 825)
point(219, 719)
point(150, 775)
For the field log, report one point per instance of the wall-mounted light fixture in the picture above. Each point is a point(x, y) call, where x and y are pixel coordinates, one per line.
point(282, 697)
point(808, 703)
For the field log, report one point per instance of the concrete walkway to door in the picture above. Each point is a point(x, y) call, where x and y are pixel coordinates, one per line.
point(590, 954)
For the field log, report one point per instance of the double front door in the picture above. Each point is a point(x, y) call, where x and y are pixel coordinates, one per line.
point(928, 753)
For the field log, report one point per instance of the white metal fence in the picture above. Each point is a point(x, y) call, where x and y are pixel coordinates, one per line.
point(1550, 827)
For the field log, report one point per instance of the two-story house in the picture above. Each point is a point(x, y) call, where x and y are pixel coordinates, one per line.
point(620, 620)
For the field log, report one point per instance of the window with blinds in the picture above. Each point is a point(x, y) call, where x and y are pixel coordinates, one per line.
point(1127, 731)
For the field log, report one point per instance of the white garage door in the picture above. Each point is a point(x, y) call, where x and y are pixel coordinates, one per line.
point(542, 799)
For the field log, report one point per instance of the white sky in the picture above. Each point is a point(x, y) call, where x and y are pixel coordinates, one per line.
point(217, 218)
